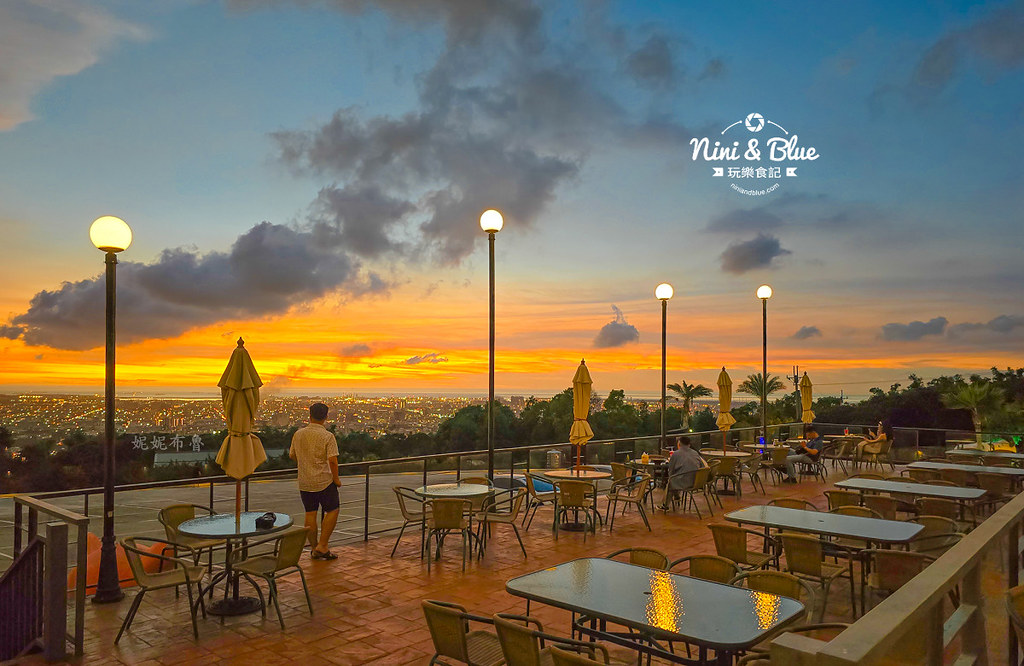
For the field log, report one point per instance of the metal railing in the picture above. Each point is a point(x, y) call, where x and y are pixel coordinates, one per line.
point(911, 625)
point(52, 581)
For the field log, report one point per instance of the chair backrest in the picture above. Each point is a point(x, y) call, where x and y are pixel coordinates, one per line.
point(868, 475)
point(935, 528)
point(779, 457)
point(941, 482)
point(726, 466)
point(996, 461)
point(962, 458)
point(477, 480)
point(859, 511)
point(133, 553)
point(713, 466)
point(448, 513)
point(619, 471)
point(838, 498)
point(894, 568)
point(530, 488)
point(792, 503)
point(644, 557)
point(447, 628)
point(407, 496)
point(709, 567)
point(572, 493)
point(884, 506)
point(923, 475)
point(519, 642)
point(730, 541)
point(960, 477)
point(771, 582)
point(994, 484)
point(564, 657)
point(290, 546)
point(515, 502)
point(937, 506)
point(637, 489)
point(803, 554)
point(172, 516)
point(702, 477)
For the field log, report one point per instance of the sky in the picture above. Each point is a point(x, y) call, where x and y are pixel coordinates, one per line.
point(309, 175)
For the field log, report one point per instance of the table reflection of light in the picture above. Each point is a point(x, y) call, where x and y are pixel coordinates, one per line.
point(665, 606)
point(766, 608)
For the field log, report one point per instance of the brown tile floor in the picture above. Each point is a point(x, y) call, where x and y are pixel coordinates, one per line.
point(367, 604)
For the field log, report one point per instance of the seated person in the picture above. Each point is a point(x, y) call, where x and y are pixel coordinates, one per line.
point(873, 442)
point(682, 467)
point(804, 452)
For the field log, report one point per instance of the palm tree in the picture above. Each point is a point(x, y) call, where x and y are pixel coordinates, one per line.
point(979, 398)
point(687, 392)
point(755, 385)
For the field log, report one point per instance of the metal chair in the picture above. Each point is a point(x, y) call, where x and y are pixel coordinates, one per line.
point(998, 489)
point(174, 515)
point(731, 543)
point(859, 511)
point(805, 559)
point(445, 516)
point(729, 470)
point(793, 503)
point(182, 572)
point(536, 500)
point(885, 507)
point(644, 557)
point(701, 479)
point(407, 497)
point(778, 583)
point(561, 655)
point(630, 490)
point(494, 514)
point(889, 571)
point(708, 567)
point(960, 477)
point(752, 468)
point(523, 641)
point(923, 475)
point(450, 630)
point(838, 498)
point(575, 496)
point(937, 506)
point(284, 559)
point(939, 535)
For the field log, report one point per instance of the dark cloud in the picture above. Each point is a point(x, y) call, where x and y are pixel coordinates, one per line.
point(11, 332)
point(432, 357)
point(356, 350)
point(268, 269)
point(745, 220)
point(915, 330)
point(807, 332)
point(652, 64)
point(1002, 324)
point(616, 332)
point(758, 252)
point(714, 69)
point(359, 218)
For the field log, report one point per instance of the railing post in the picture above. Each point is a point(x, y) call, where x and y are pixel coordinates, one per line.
point(458, 469)
point(366, 506)
point(1013, 575)
point(425, 471)
point(211, 495)
point(86, 504)
point(80, 585)
point(33, 523)
point(55, 592)
point(246, 493)
point(17, 527)
point(973, 636)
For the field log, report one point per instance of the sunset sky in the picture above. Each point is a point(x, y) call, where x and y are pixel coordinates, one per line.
point(309, 175)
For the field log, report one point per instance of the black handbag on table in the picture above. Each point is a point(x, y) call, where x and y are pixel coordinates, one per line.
point(266, 521)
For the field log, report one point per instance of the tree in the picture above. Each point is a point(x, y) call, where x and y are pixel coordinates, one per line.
point(980, 398)
point(687, 393)
point(755, 385)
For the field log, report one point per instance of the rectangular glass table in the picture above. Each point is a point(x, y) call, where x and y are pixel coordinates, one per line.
point(917, 489)
point(869, 530)
point(659, 605)
point(1015, 472)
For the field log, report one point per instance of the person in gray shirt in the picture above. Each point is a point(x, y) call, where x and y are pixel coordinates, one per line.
point(682, 468)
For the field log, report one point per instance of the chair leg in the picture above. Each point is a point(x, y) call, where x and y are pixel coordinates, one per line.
point(305, 589)
point(277, 605)
point(611, 521)
point(400, 533)
point(643, 514)
point(130, 615)
point(192, 609)
point(201, 603)
point(519, 538)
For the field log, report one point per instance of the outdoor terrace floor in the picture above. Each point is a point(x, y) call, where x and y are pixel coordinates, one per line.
point(367, 604)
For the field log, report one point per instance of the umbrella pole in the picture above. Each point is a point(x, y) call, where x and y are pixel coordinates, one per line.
point(238, 502)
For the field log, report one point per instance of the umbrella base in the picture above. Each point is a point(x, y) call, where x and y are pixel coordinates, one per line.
point(232, 606)
point(572, 527)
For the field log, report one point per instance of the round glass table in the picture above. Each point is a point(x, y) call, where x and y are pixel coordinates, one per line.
point(453, 490)
point(232, 528)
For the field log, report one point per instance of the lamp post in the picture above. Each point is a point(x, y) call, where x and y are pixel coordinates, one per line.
point(764, 292)
point(663, 292)
point(491, 222)
point(110, 235)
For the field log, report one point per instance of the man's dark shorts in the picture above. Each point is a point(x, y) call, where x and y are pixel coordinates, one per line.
point(326, 498)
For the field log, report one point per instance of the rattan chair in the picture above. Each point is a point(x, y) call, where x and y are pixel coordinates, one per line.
point(885, 507)
point(284, 560)
point(631, 490)
point(838, 498)
point(644, 557)
point(939, 535)
point(947, 508)
point(805, 559)
point(778, 583)
point(504, 512)
point(889, 571)
point(536, 500)
point(523, 641)
point(445, 516)
point(998, 489)
point(562, 655)
point(778, 465)
point(407, 498)
point(701, 484)
point(454, 641)
point(729, 470)
point(752, 468)
point(708, 567)
point(960, 477)
point(859, 511)
point(575, 496)
point(174, 515)
point(731, 543)
point(793, 503)
point(923, 475)
point(182, 572)
point(869, 475)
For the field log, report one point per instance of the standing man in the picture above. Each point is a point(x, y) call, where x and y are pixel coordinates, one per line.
point(315, 450)
point(682, 468)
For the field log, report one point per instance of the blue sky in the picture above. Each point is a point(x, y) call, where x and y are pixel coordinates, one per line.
point(388, 124)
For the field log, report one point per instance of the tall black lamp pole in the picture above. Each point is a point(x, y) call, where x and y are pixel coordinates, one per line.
point(491, 222)
point(764, 292)
point(111, 235)
point(663, 292)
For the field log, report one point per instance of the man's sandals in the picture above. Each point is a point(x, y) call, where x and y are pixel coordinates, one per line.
point(317, 555)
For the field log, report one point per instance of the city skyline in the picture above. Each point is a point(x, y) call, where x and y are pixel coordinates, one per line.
point(309, 176)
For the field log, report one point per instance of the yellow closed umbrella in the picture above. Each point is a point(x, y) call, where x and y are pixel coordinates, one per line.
point(242, 451)
point(806, 399)
point(725, 418)
point(581, 432)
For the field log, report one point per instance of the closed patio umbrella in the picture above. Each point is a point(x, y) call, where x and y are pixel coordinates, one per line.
point(725, 418)
point(581, 432)
point(242, 451)
point(806, 399)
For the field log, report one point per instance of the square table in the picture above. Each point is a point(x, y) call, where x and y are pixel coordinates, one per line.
point(869, 530)
point(1015, 472)
point(917, 489)
point(659, 605)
